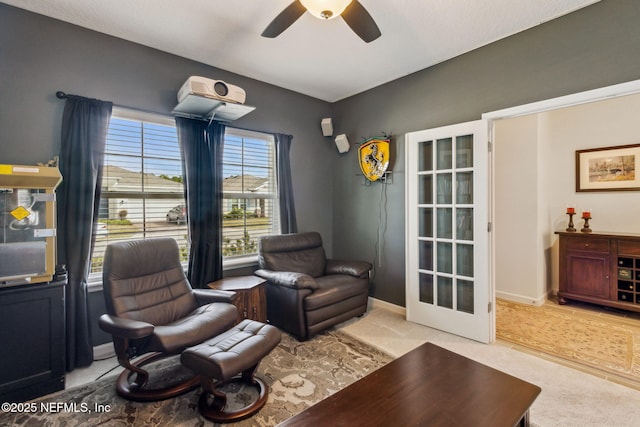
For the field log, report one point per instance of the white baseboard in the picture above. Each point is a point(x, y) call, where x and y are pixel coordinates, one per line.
point(373, 302)
point(103, 351)
point(522, 299)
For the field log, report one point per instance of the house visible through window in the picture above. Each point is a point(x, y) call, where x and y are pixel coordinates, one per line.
point(249, 205)
point(143, 193)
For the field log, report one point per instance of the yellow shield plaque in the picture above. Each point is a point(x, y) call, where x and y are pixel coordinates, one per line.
point(373, 155)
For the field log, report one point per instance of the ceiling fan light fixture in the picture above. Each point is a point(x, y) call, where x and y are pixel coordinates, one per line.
point(325, 9)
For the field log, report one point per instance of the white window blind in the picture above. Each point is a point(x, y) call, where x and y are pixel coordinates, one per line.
point(249, 206)
point(142, 191)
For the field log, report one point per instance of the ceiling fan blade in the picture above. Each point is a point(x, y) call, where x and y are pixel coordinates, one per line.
point(284, 20)
point(357, 17)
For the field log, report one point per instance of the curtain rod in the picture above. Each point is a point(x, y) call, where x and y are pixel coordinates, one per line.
point(62, 95)
point(168, 116)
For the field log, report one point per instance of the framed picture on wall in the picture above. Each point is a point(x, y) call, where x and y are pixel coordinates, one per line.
point(608, 168)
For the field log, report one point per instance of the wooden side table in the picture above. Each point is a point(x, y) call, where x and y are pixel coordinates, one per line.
point(251, 299)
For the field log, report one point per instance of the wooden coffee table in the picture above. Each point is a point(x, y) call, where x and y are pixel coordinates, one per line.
point(427, 386)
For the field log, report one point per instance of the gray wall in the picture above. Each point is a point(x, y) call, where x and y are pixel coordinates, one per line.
point(39, 56)
point(593, 47)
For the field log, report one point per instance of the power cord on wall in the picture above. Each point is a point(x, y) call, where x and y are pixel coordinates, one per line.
point(380, 232)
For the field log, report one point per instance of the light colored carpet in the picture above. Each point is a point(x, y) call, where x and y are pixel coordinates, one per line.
point(596, 340)
point(569, 397)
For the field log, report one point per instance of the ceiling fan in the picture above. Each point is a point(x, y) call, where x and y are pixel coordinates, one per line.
point(353, 13)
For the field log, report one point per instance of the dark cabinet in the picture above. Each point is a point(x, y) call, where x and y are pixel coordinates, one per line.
point(601, 268)
point(32, 341)
point(628, 272)
point(251, 299)
point(587, 267)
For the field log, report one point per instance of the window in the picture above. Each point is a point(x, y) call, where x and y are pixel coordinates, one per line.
point(143, 193)
point(142, 190)
point(249, 206)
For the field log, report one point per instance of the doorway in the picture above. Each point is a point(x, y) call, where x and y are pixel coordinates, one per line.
point(532, 175)
point(534, 182)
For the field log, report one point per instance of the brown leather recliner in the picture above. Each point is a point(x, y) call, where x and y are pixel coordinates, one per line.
point(306, 292)
point(153, 311)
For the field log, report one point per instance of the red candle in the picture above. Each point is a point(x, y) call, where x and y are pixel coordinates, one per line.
point(571, 210)
point(586, 214)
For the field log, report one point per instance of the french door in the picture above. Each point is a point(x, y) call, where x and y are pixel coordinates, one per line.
point(447, 230)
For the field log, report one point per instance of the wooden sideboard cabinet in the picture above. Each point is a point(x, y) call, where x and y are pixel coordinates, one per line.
point(600, 268)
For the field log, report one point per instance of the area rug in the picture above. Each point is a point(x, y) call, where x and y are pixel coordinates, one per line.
point(597, 340)
point(298, 375)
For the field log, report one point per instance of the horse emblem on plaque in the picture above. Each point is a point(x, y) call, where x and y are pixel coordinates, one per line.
point(373, 156)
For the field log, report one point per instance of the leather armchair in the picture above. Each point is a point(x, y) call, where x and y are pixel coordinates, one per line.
point(306, 292)
point(153, 311)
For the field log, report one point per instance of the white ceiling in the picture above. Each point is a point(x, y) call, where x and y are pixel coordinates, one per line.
point(323, 59)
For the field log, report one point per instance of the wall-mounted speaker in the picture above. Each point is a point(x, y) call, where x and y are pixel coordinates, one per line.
point(327, 127)
point(342, 143)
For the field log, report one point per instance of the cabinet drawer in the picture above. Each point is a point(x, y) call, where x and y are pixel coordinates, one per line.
point(588, 244)
point(628, 247)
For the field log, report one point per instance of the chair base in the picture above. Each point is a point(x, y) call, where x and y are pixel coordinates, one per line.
point(231, 357)
point(212, 405)
point(134, 390)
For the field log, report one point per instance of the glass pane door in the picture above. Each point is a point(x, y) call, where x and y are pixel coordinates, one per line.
point(447, 262)
point(447, 255)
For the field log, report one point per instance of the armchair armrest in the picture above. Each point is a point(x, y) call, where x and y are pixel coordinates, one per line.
point(288, 278)
point(125, 328)
point(352, 268)
point(207, 296)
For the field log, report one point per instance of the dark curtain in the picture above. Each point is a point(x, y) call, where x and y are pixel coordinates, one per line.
point(201, 144)
point(84, 130)
point(285, 186)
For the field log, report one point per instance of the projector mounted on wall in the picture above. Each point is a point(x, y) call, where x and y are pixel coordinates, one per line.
point(213, 89)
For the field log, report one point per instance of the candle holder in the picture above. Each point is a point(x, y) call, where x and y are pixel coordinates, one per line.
point(570, 228)
point(586, 228)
